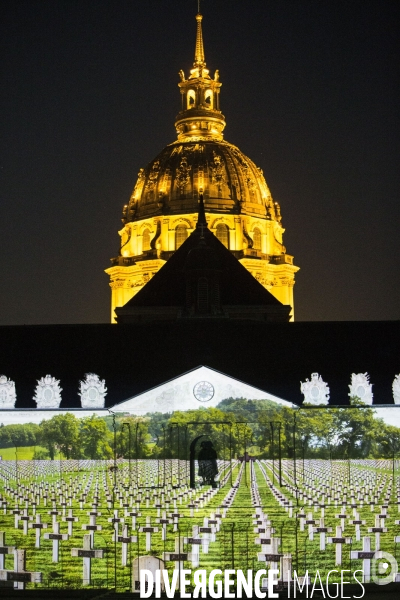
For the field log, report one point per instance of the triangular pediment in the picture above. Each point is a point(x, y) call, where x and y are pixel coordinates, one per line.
point(199, 388)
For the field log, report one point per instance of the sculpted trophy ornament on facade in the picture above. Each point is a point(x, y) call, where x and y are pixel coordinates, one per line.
point(361, 388)
point(396, 389)
point(8, 395)
point(92, 391)
point(48, 392)
point(315, 391)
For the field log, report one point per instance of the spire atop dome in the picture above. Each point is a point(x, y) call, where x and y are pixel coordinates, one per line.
point(200, 115)
point(201, 217)
point(199, 57)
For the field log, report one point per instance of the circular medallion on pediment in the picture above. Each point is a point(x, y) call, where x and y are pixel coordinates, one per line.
point(203, 391)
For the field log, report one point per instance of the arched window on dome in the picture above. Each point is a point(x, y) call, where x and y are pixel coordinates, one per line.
point(202, 294)
point(208, 96)
point(146, 240)
point(256, 239)
point(223, 234)
point(191, 98)
point(180, 235)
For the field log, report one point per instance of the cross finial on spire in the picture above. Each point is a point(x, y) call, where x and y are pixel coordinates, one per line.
point(199, 58)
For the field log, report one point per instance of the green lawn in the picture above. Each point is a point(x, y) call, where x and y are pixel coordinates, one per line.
point(23, 453)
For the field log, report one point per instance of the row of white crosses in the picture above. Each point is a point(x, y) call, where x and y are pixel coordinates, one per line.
point(201, 536)
point(366, 554)
point(341, 484)
point(163, 519)
point(339, 540)
point(88, 552)
point(279, 497)
point(269, 544)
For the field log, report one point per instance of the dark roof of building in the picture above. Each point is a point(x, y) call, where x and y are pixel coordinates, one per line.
point(203, 251)
point(167, 287)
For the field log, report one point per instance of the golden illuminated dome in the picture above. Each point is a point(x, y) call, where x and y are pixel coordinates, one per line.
point(229, 180)
point(162, 210)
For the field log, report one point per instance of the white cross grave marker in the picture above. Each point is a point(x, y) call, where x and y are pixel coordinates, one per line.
point(339, 541)
point(125, 540)
point(87, 553)
point(4, 549)
point(38, 526)
point(20, 576)
point(366, 555)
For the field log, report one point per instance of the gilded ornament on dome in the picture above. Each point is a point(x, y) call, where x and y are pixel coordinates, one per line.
point(278, 211)
point(248, 176)
point(138, 186)
point(153, 175)
point(239, 156)
point(194, 148)
point(177, 150)
point(217, 171)
point(183, 174)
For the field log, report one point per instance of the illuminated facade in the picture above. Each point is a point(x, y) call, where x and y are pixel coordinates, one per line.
point(162, 210)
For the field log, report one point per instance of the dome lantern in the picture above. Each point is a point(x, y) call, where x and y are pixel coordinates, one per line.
point(200, 114)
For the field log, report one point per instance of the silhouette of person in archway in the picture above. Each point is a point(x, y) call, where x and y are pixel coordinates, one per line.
point(208, 467)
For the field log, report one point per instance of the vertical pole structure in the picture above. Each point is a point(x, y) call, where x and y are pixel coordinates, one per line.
point(271, 424)
point(128, 425)
point(230, 453)
point(393, 470)
point(245, 455)
point(233, 546)
point(280, 454)
point(137, 454)
point(186, 454)
point(165, 451)
point(348, 462)
point(170, 444)
point(294, 451)
point(16, 464)
point(179, 456)
point(114, 493)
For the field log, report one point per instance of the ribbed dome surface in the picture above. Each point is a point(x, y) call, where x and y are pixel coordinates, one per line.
point(229, 180)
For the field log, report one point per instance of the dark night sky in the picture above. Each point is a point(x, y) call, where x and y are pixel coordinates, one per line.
point(89, 95)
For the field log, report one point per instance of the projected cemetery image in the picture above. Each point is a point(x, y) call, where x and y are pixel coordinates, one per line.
point(236, 486)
